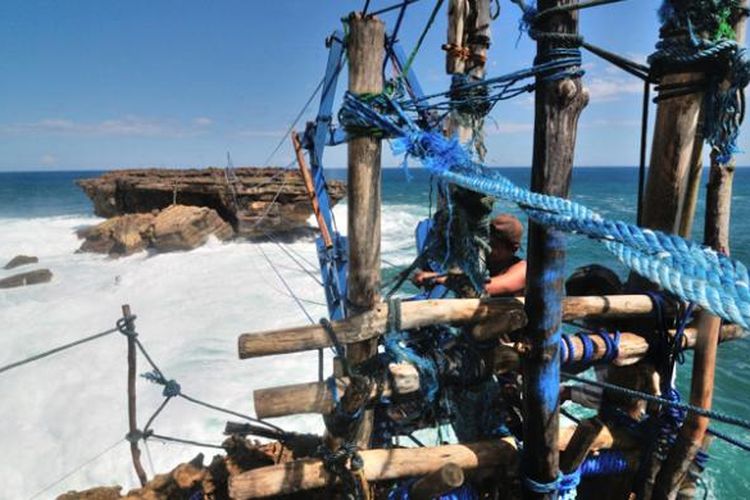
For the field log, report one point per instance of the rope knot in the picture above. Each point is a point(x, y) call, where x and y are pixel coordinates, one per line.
point(171, 387)
point(126, 325)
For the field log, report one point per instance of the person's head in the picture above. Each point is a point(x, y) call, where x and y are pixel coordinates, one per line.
point(506, 232)
point(593, 279)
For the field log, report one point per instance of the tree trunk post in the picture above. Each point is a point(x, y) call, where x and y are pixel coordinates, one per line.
point(133, 435)
point(366, 45)
point(558, 105)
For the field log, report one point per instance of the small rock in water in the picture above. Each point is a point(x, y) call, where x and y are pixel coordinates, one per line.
point(28, 278)
point(21, 260)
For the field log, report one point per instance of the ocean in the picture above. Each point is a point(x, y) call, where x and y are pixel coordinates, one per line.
point(64, 417)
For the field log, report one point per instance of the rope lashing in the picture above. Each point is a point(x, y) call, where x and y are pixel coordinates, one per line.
point(171, 387)
point(606, 462)
point(402, 492)
point(568, 352)
point(541, 487)
point(632, 393)
point(346, 464)
point(126, 325)
point(700, 35)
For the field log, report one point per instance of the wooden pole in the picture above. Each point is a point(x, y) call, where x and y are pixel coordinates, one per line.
point(315, 397)
point(379, 465)
point(365, 49)
point(716, 235)
point(133, 435)
point(307, 178)
point(672, 156)
point(492, 316)
point(558, 105)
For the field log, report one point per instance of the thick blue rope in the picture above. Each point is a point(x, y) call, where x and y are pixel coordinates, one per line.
point(693, 272)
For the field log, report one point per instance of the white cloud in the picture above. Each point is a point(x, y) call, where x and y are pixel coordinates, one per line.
point(496, 128)
point(202, 121)
point(610, 88)
point(616, 123)
point(260, 133)
point(127, 126)
point(48, 159)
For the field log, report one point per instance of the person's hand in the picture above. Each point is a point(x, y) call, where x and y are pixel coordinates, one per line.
point(423, 278)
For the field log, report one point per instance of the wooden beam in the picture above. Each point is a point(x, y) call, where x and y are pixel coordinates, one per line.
point(315, 397)
point(558, 104)
point(365, 51)
point(379, 465)
point(501, 315)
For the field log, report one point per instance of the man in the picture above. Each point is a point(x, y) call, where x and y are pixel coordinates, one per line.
point(507, 270)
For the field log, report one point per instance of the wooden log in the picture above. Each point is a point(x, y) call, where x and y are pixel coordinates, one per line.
point(671, 156)
point(690, 440)
point(315, 397)
point(310, 187)
point(135, 452)
point(558, 104)
point(446, 478)
point(379, 465)
point(502, 315)
point(384, 465)
point(365, 51)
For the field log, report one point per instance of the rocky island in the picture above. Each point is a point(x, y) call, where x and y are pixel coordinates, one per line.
point(156, 208)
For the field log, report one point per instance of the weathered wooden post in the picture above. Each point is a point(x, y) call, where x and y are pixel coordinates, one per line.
point(558, 105)
point(133, 433)
point(716, 235)
point(365, 49)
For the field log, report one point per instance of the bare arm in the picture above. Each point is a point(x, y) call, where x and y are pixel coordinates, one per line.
point(511, 282)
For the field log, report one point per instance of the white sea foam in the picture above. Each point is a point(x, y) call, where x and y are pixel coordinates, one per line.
point(191, 306)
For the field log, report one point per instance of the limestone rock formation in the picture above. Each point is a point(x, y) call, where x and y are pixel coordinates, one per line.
point(21, 260)
point(253, 201)
point(177, 227)
point(28, 278)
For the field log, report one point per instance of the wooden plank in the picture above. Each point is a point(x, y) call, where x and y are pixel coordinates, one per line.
point(315, 397)
point(501, 315)
point(558, 104)
point(365, 50)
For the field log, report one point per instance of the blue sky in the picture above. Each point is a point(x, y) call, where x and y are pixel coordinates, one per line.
point(99, 84)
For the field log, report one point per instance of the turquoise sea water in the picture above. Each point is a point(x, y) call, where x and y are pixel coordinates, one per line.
point(611, 191)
